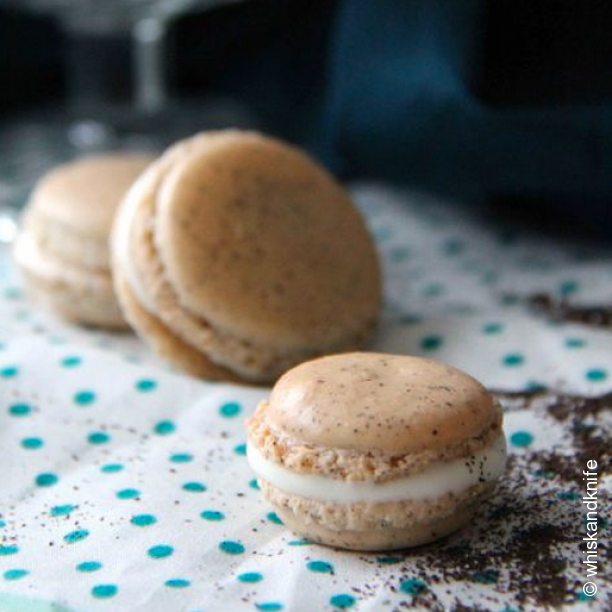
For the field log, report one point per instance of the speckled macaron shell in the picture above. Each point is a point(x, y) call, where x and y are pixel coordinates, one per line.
point(265, 244)
point(165, 343)
point(378, 539)
point(391, 403)
point(206, 239)
point(372, 419)
point(72, 207)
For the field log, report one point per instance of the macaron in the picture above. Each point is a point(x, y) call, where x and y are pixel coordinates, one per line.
point(62, 249)
point(236, 256)
point(368, 451)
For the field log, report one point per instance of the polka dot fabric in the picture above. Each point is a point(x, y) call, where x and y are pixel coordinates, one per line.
point(125, 486)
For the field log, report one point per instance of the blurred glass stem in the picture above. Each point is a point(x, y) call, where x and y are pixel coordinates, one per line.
point(116, 76)
point(149, 36)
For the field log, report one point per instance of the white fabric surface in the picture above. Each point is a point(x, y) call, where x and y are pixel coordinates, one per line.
point(446, 270)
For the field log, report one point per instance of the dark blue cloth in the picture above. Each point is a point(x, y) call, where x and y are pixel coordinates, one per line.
point(404, 105)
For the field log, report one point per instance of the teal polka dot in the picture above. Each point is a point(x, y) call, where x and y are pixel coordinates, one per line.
point(492, 328)
point(12, 293)
point(146, 385)
point(143, 520)
point(76, 536)
point(2, 524)
point(274, 518)
point(409, 320)
point(98, 437)
point(194, 487)
point(568, 287)
point(433, 290)
point(521, 439)
point(509, 299)
point(399, 254)
point(413, 586)
point(46, 479)
point(231, 548)
point(431, 343)
point(71, 362)
point(568, 495)
point(32, 443)
point(104, 591)
point(300, 543)
point(582, 596)
point(343, 601)
point(62, 510)
point(5, 550)
point(128, 493)
point(20, 410)
point(534, 385)
point(240, 449)
point(488, 576)
point(321, 567)
point(269, 606)
point(250, 577)
point(89, 566)
point(15, 574)
point(163, 428)
point(575, 343)
point(389, 560)
point(84, 398)
point(9, 371)
point(254, 484)
point(596, 375)
point(181, 458)
point(230, 409)
point(212, 515)
point(453, 246)
point(111, 468)
point(490, 277)
point(177, 583)
point(160, 551)
point(513, 360)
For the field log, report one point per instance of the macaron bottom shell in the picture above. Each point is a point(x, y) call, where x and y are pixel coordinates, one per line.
point(383, 539)
point(73, 293)
point(376, 527)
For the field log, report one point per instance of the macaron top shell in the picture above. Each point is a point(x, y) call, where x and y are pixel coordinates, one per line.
point(371, 401)
point(82, 196)
point(263, 243)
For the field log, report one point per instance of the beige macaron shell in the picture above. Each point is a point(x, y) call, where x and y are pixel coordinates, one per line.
point(371, 401)
point(84, 195)
point(377, 539)
point(264, 244)
point(72, 208)
point(164, 342)
point(78, 294)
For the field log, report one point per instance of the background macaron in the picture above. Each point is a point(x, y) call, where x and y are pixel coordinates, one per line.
point(62, 249)
point(369, 451)
point(236, 256)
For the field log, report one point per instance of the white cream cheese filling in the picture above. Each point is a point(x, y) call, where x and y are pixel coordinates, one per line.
point(456, 476)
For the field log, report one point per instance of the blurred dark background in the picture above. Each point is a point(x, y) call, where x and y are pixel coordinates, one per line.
point(507, 101)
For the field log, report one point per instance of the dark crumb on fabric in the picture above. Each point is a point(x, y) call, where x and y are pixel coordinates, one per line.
point(520, 549)
point(562, 310)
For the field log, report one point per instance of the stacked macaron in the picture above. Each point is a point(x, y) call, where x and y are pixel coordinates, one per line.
point(63, 248)
point(236, 257)
point(369, 451)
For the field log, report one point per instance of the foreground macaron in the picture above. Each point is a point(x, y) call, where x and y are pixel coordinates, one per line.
point(236, 257)
point(62, 249)
point(368, 451)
